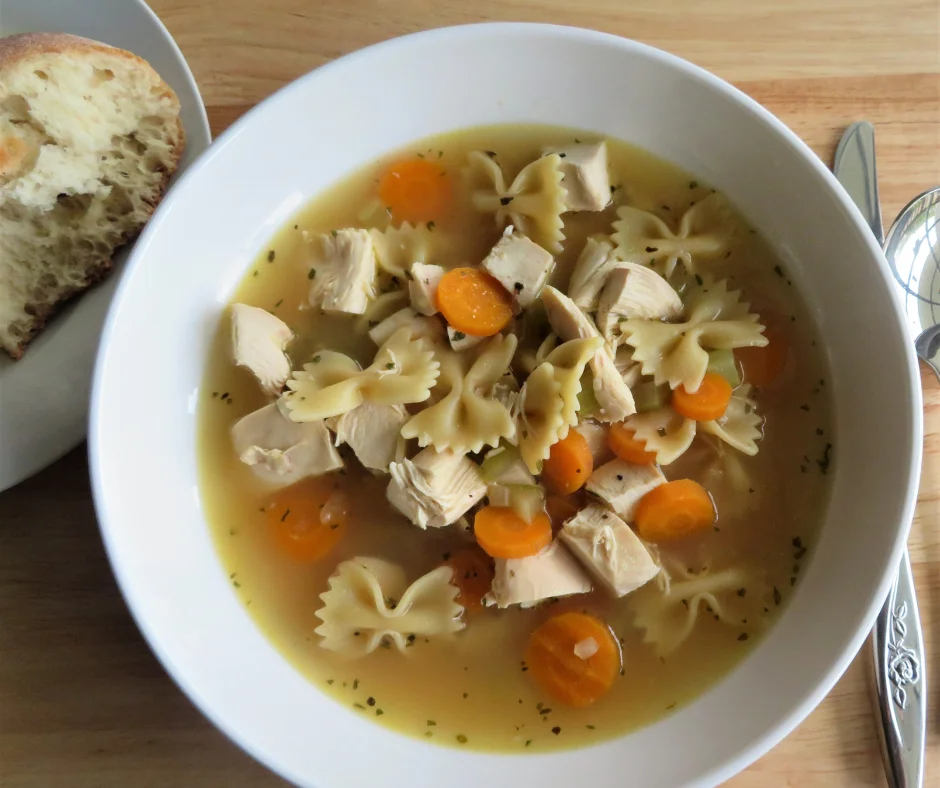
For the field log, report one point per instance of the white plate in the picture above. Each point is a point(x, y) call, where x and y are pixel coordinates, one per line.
point(44, 396)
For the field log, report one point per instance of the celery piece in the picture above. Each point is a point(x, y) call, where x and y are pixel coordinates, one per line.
point(722, 362)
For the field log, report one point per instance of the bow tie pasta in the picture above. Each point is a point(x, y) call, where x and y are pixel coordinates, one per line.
point(676, 353)
point(533, 203)
point(704, 233)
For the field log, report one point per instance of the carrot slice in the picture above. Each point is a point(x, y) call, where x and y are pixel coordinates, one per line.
point(474, 302)
point(473, 576)
point(306, 520)
point(560, 508)
point(574, 657)
point(569, 464)
point(416, 191)
point(504, 534)
point(763, 366)
point(673, 510)
point(708, 403)
point(622, 442)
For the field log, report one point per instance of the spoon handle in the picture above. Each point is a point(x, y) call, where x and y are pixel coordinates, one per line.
point(897, 641)
point(900, 685)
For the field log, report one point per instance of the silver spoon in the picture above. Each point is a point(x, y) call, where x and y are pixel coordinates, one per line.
point(913, 252)
point(897, 641)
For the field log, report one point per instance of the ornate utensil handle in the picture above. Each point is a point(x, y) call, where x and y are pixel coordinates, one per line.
point(901, 686)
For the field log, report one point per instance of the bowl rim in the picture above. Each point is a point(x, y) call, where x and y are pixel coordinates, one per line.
point(728, 767)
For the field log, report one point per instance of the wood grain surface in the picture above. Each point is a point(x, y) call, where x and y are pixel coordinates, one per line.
point(83, 703)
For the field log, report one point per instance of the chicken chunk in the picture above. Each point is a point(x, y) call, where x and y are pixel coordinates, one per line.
point(282, 451)
point(258, 342)
point(590, 272)
point(621, 485)
point(609, 550)
point(596, 436)
point(460, 341)
point(435, 488)
point(584, 169)
point(422, 287)
point(343, 271)
point(521, 266)
point(635, 291)
point(551, 573)
point(373, 432)
point(569, 322)
point(420, 326)
point(630, 370)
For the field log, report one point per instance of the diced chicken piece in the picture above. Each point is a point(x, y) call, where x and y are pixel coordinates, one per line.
point(570, 322)
point(420, 326)
point(373, 432)
point(521, 266)
point(282, 451)
point(621, 485)
point(435, 488)
point(343, 272)
point(551, 573)
point(460, 341)
point(422, 287)
point(596, 436)
point(590, 273)
point(258, 342)
point(584, 167)
point(635, 291)
point(609, 550)
point(630, 370)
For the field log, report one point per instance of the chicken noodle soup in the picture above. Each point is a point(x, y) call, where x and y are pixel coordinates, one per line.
point(516, 439)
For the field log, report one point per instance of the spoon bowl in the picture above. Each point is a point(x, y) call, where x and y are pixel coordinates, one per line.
point(912, 248)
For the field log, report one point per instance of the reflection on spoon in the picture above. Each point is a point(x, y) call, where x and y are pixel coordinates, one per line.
point(912, 249)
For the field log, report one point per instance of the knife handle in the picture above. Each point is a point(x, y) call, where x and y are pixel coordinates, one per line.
point(900, 684)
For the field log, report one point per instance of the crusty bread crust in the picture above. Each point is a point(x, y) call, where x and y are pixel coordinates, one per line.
point(17, 48)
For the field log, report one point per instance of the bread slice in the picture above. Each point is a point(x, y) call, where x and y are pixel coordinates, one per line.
point(89, 136)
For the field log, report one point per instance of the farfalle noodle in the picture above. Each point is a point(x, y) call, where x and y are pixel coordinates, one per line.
point(464, 419)
point(397, 248)
point(704, 233)
point(403, 372)
point(548, 403)
point(676, 353)
point(369, 602)
point(667, 609)
point(533, 203)
point(668, 435)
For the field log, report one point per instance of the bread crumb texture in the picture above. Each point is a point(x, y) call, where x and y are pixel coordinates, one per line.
point(89, 136)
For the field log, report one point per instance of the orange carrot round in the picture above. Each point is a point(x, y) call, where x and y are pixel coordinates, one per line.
point(416, 191)
point(569, 465)
point(504, 534)
point(623, 442)
point(673, 510)
point(474, 302)
point(574, 657)
point(763, 366)
point(307, 519)
point(708, 403)
point(473, 576)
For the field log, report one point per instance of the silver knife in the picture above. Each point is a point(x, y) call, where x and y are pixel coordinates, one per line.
point(897, 642)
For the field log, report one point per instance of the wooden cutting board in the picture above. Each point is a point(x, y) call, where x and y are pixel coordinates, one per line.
point(83, 703)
